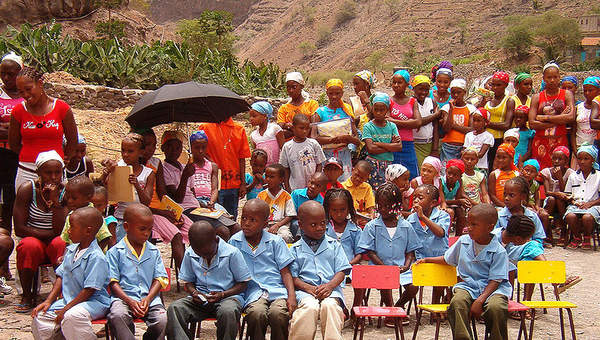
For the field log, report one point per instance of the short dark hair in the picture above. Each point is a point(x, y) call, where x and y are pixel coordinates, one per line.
point(300, 118)
point(83, 184)
point(277, 167)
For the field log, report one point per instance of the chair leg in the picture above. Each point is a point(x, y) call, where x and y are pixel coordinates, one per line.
point(438, 321)
point(531, 324)
point(362, 328)
point(107, 331)
point(473, 324)
point(570, 314)
point(356, 323)
point(562, 323)
point(418, 313)
point(522, 327)
point(543, 296)
point(193, 330)
point(396, 321)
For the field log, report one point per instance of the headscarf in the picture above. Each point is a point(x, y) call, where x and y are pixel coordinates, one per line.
point(520, 77)
point(434, 162)
point(590, 150)
point(483, 113)
point(170, 135)
point(13, 57)
point(506, 147)
point(394, 171)
point(593, 80)
point(472, 148)
point(571, 79)
point(44, 157)
point(457, 163)
point(502, 76)
point(297, 77)
point(404, 74)
point(445, 71)
point(367, 76)
point(197, 136)
point(514, 132)
point(523, 108)
point(563, 149)
point(421, 79)
point(442, 64)
point(381, 97)
point(533, 163)
point(460, 83)
point(334, 82)
point(550, 64)
point(263, 107)
point(542, 86)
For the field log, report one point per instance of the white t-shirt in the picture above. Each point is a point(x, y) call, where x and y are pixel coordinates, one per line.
point(301, 159)
point(583, 189)
point(554, 184)
point(391, 231)
point(270, 133)
point(584, 133)
point(478, 141)
point(426, 110)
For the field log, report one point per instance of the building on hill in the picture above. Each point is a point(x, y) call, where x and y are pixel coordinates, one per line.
point(590, 43)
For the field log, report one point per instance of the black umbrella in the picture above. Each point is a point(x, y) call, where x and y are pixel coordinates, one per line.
point(186, 102)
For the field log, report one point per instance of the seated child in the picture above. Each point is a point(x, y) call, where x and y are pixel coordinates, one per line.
point(480, 139)
point(582, 214)
point(473, 181)
point(215, 275)
point(78, 194)
point(512, 137)
point(362, 192)
point(280, 202)
point(483, 290)
point(270, 295)
point(399, 175)
point(316, 186)
point(333, 170)
point(505, 170)
point(530, 171)
point(430, 174)
point(256, 179)
point(301, 156)
point(137, 274)
point(318, 270)
point(389, 240)
point(523, 148)
point(100, 202)
point(457, 202)
point(432, 228)
point(81, 280)
point(556, 201)
point(78, 164)
point(338, 207)
point(268, 136)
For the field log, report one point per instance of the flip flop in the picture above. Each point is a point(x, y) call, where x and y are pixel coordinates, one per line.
point(23, 308)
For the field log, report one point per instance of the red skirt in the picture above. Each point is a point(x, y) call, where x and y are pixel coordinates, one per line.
point(543, 146)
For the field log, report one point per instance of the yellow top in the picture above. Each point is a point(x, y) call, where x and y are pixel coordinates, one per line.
point(519, 103)
point(362, 195)
point(497, 114)
point(287, 111)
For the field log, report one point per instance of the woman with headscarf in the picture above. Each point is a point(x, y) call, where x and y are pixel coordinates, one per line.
point(551, 111)
point(336, 109)
point(299, 102)
point(523, 85)
point(501, 109)
point(363, 82)
point(268, 136)
point(39, 217)
point(426, 136)
point(570, 83)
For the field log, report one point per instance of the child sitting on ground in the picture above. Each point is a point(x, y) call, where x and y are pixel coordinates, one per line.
point(480, 139)
point(81, 280)
point(270, 295)
point(362, 192)
point(456, 200)
point(473, 181)
point(215, 275)
point(523, 148)
point(333, 170)
point(390, 240)
point(505, 170)
point(399, 175)
point(282, 210)
point(483, 290)
point(319, 269)
point(100, 202)
point(301, 156)
point(268, 136)
point(78, 164)
point(137, 274)
point(256, 179)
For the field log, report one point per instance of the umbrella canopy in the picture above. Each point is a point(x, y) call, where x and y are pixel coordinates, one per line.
point(186, 102)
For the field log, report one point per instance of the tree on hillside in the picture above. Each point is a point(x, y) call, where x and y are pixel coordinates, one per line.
point(111, 28)
point(213, 29)
point(518, 40)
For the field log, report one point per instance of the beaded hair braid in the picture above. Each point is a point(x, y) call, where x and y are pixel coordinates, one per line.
point(344, 194)
point(390, 192)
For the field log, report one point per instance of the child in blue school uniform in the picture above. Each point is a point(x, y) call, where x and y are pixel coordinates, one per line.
point(215, 275)
point(339, 206)
point(389, 240)
point(270, 297)
point(316, 186)
point(431, 225)
point(137, 274)
point(81, 281)
point(482, 265)
point(319, 269)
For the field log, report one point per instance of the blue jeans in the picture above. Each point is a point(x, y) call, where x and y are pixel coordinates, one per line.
point(229, 199)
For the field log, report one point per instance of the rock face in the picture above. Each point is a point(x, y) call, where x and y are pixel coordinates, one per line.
point(173, 10)
point(14, 12)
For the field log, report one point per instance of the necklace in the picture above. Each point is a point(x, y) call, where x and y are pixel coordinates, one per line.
point(223, 137)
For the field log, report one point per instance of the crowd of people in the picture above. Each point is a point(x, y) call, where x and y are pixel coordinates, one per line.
point(388, 179)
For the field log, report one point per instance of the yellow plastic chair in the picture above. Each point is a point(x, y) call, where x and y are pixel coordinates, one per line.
point(546, 272)
point(432, 275)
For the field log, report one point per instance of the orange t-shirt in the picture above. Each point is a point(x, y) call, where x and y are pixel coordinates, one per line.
point(227, 144)
point(501, 178)
point(287, 111)
point(461, 116)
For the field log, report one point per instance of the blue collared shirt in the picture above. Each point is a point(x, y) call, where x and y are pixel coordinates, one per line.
point(226, 269)
point(432, 245)
point(513, 251)
point(300, 196)
point(135, 276)
point(477, 271)
point(265, 264)
point(349, 238)
point(538, 235)
point(90, 270)
point(317, 268)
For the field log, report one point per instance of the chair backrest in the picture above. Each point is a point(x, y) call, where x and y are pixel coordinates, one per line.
point(433, 275)
point(168, 287)
point(541, 272)
point(452, 240)
point(380, 277)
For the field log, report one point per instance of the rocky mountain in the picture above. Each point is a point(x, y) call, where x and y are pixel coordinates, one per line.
point(15, 12)
point(173, 10)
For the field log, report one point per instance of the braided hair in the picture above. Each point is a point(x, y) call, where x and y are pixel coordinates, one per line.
point(522, 183)
point(31, 73)
point(390, 192)
point(344, 194)
point(259, 153)
point(520, 225)
point(136, 138)
point(432, 191)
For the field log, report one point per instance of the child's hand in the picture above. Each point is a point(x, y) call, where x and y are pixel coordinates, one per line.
point(208, 205)
point(214, 297)
point(60, 315)
point(555, 172)
point(42, 307)
point(109, 165)
point(143, 305)
point(584, 205)
point(419, 210)
point(364, 98)
point(273, 229)
point(135, 308)
point(258, 179)
point(243, 189)
point(477, 309)
point(188, 170)
point(404, 268)
point(60, 260)
point(133, 180)
point(396, 139)
point(323, 291)
point(562, 196)
point(51, 191)
point(465, 202)
point(292, 304)
point(424, 260)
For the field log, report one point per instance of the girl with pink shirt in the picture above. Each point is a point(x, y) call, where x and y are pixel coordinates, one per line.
point(268, 136)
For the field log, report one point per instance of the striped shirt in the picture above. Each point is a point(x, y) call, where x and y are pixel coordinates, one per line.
point(37, 217)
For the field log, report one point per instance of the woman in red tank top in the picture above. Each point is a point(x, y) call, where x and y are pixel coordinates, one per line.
point(551, 110)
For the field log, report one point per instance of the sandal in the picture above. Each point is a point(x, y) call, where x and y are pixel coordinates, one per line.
point(576, 243)
point(389, 322)
point(514, 315)
point(587, 243)
point(548, 245)
point(561, 242)
point(23, 308)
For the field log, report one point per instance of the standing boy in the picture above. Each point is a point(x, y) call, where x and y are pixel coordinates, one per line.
point(280, 202)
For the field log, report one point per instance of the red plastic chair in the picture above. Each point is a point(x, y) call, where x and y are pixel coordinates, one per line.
point(452, 240)
point(377, 277)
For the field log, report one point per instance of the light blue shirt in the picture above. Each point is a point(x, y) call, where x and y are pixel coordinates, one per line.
point(513, 251)
point(317, 268)
point(477, 271)
point(300, 196)
point(265, 264)
point(538, 235)
point(226, 269)
point(432, 245)
point(391, 250)
point(90, 270)
point(326, 114)
point(135, 276)
point(349, 238)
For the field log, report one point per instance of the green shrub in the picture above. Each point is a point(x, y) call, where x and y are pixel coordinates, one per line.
point(374, 61)
point(346, 13)
point(523, 68)
point(306, 48)
point(213, 29)
point(323, 35)
point(111, 29)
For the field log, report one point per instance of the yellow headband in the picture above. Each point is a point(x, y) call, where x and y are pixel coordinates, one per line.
point(334, 82)
point(420, 79)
